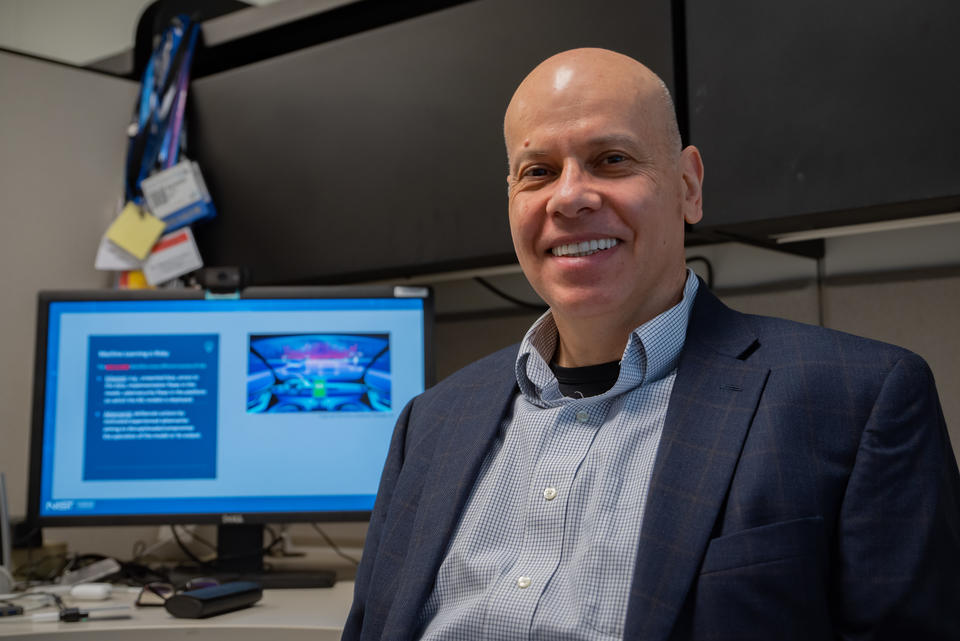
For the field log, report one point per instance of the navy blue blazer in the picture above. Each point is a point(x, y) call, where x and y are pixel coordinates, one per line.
point(805, 488)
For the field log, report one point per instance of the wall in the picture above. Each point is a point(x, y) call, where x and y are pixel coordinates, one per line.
point(62, 145)
point(75, 32)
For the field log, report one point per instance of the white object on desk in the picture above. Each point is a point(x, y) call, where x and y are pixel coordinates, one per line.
point(81, 591)
point(90, 573)
point(91, 591)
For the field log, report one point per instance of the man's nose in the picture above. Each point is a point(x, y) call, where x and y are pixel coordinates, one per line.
point(574, 192)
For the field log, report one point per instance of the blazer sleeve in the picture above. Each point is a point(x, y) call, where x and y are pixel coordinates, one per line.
point(391, 471)
point(899, 526)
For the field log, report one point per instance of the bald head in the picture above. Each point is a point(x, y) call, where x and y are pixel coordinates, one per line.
point(580, 77)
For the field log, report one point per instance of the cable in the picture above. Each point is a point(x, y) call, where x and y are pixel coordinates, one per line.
point(707, 264)
point(190, 555)
point(61, 606)
point(74, 614)
point(207, 564)
point(277, 539)
point(516, 301)
point(138, 574)
point(334, 546)
point(200, 539)
point(272, 544)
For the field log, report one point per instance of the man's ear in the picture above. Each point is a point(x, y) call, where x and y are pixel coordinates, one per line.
point(691, 173)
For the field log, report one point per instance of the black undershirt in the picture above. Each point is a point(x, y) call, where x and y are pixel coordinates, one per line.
point(581, 382)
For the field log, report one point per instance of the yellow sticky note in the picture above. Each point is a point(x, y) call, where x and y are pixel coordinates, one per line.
point(135, 231)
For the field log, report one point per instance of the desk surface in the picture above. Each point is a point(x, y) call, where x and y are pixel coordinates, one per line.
point(282, 615)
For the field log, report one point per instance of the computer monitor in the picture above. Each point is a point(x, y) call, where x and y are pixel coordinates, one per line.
point(274, 405)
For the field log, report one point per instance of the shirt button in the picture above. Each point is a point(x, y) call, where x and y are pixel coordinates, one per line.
point(582, 416)
point(549, 493)
point(523, 582)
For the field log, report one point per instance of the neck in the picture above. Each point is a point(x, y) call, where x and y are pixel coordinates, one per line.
point(590, 347)
point(591, 340)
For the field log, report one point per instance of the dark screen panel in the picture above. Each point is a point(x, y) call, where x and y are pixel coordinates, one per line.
point(382, 153)
point(802, 108)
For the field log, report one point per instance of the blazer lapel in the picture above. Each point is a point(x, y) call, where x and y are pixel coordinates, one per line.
point(713, 402)
point(476, 412)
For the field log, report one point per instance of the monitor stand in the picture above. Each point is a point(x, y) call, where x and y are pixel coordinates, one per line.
point(240, 558)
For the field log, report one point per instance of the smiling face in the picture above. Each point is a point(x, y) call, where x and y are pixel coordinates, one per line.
point(599, 190)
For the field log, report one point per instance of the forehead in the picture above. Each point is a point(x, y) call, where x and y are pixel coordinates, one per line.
point(539, 128)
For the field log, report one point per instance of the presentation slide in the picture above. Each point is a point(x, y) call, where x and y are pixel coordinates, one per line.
point(151, 407)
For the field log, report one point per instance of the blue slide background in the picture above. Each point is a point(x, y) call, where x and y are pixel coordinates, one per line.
point(153, 458)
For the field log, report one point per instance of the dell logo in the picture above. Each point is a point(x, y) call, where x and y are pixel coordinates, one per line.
point(231, 518)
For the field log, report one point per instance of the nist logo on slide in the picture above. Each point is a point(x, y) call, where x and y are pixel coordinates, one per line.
point(59, 506)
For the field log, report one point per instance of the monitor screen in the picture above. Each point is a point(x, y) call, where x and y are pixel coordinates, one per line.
point(273, 406)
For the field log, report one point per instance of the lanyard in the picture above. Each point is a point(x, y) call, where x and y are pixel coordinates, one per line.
point(155, 135)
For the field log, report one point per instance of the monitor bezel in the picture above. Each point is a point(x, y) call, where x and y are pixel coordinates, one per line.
point(46, 297)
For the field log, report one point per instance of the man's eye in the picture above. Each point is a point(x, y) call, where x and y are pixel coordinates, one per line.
point(613, 159)
point(535, 172)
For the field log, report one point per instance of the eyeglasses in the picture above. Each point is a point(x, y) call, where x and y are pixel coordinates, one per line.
point(156, 594)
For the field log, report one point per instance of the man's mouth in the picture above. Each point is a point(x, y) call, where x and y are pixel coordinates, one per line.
point(584, 248)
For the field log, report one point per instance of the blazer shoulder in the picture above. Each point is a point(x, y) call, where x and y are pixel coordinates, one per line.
point(814, 339)
point(775, 341)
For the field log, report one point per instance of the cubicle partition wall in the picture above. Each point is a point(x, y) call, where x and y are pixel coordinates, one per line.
point(820, 113)
point(379, 154)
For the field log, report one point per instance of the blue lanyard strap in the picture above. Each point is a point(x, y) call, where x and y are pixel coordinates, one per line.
point(155, 136)
point(170, 152)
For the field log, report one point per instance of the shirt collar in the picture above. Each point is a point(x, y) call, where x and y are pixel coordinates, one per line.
point(651, 352)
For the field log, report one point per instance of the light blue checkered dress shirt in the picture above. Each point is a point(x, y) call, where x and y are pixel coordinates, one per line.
point(546, 545)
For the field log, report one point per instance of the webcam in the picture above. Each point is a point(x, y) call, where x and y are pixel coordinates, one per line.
point(223, 280)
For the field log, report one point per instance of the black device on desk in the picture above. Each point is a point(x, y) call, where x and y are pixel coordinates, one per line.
point(210, 601)
point(274, 405)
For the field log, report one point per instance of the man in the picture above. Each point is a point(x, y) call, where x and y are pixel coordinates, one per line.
point(650, 464)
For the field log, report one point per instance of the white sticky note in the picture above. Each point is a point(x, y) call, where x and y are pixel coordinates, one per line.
point(111, 257)
point(174, 254)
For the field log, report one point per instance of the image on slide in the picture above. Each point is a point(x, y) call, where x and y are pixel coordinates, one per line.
point(318, 373)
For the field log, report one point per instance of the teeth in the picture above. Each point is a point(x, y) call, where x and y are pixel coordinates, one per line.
point(585, 248)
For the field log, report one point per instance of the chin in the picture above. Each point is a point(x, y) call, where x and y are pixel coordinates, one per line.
point(585, 304)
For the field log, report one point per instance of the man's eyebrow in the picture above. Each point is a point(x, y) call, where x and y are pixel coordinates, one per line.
point(531, 153)
point(614, 140)
point(524, 156)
